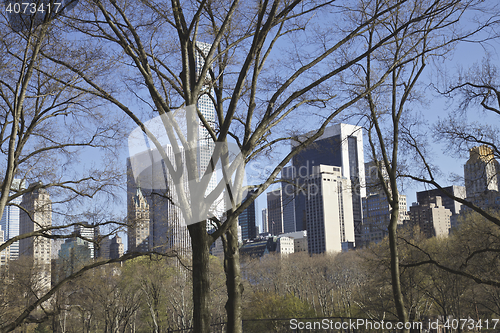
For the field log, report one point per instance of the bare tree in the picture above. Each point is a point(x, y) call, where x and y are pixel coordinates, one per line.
point(390, 119)
point(263, 64)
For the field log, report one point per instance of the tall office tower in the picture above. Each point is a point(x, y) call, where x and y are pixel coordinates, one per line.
point(168, 229)
point(207, 109)
point(265, 226)
point(37, 214)
point(288, 191)
point(5, 254)
point(432, 217)
point(138, 233)
point(247, 219)
point(10, 219)
point(377, 216)
point(116, 248)
point(424, 198)
point(87, 232)
point(329, 215)
point(340, 145)
point(481, 171)
point(275, 212)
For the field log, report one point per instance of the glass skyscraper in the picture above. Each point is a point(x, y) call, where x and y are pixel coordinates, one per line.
point(10, 220)
point(341, 145)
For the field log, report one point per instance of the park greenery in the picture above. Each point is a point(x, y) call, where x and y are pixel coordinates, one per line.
point(355, 284)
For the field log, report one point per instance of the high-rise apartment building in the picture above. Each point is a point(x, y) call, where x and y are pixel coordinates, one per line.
point(377, 216)
point(329, 214)
point(424, 197)
point(275, 212)
point(247, 220)
point(10, 219)
point(376, 208)
point(37, 214)
point(341, 145)
point(481, 171)
point(432, 217)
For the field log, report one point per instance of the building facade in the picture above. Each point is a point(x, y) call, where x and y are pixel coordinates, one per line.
point(10, 219)
point(329, 214)
point(5, 254)
point(87, 232)
point(288, 192)
point(116, 248)
point(424, 197)
point(247, 220)
point(377, 216)
point(138, 232)
point(341, 145)
point(481, 171)
point(37, 214)
point(432, 217)
point(265, 225)
point(275, 212)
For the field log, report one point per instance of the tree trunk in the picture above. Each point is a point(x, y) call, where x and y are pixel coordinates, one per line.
point(201, 282)
point(395, 274)
point(233, 280)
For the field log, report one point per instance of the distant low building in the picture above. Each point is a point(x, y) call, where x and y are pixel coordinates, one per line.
point(299, 240)
point(285, 245)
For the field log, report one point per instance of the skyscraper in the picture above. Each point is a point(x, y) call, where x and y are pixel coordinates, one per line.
point(432, 217)
point(10, 219)
point(167, 227)
point(275, 212)
point(37, 214)
point(247, 220)
point(481, 171)
point(206, 106)
point(340, 145)
point(138, 232)
point(288, 191)
point(329, 216)
point(424, 197)
point(377, 216)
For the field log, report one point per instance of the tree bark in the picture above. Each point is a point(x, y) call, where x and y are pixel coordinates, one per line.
point(201, 281)
point(233, 280)
point(395, 272)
